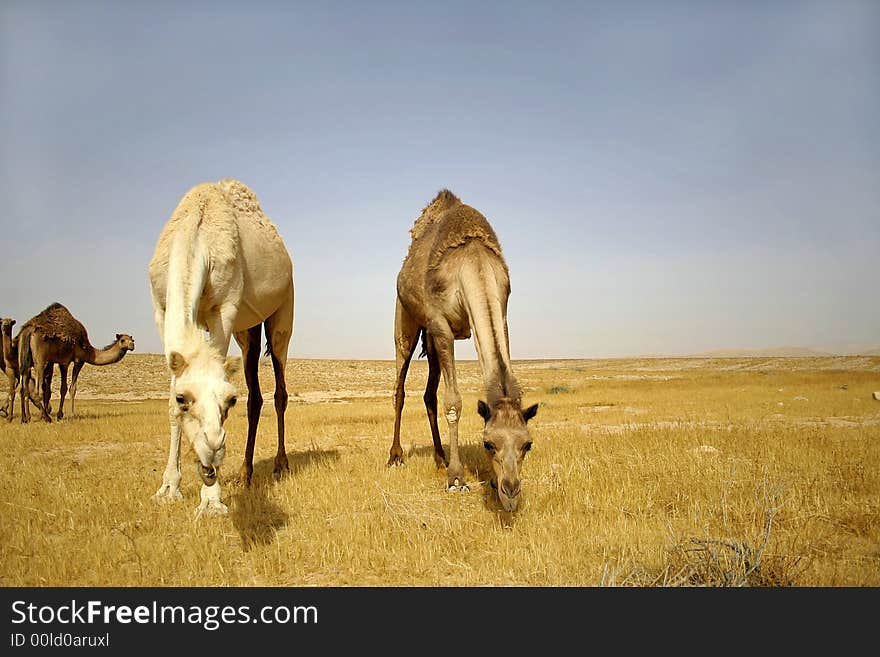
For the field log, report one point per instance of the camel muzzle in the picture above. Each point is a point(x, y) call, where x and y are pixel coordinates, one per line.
point(208, 474)
point(509, 504)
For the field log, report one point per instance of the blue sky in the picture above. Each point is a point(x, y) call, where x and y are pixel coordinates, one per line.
point(664, 177)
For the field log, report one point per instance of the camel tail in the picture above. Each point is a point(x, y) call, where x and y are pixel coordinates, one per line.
point(424, 351)
point(25, 357)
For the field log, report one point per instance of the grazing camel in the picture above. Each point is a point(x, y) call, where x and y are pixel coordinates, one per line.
point(454, 281)
point(9, 366)
point(55, 336)
point(219, 269)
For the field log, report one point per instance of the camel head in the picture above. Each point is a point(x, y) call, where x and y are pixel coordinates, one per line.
point(125, 341)
point(201, 396)
point(506, 440)
point(6, 325)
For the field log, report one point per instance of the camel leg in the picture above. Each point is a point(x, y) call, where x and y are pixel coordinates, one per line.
point(406, 336)
point(43, 391)
point(169, 491)
point(431, 400)
point(210, 503)
point(11, 379)
point(32, 393)
point(24, 377)
point(26, 383)
point(46, 408)
point(62, 372)
point(249, 341)
point(278, 333)
point(444, 343)
point(77, 366)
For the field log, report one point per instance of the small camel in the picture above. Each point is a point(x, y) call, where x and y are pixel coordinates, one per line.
point(220, 268)
point(9, 366)
point(454, 281)
point(55, 336)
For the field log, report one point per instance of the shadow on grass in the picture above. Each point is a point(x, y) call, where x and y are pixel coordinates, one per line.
point(98, 412)
point(255, 516)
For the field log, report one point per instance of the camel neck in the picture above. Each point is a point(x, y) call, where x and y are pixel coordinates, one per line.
point(108, 356)
point(7, 345)
point(187, 273)
point(500, 383)
point(6, 352)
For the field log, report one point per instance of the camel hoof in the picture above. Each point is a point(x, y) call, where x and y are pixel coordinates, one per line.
point(395, 462)
point(211, 509)
point(166, 494)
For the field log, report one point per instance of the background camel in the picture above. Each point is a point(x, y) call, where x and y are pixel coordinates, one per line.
point(219, 267)
point(55, 336)
point(9, 366)
point(454, 281)
point(121, 346)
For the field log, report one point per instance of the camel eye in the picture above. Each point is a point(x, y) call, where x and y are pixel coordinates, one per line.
point(489, 446)
point(527, 446)
point(231, 401)
point(183, 401)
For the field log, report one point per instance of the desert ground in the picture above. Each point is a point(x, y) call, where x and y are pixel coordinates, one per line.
point(644, 472)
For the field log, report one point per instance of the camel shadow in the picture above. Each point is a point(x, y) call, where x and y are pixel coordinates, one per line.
point(97, 414)
point(472, 458)
point(255, 516)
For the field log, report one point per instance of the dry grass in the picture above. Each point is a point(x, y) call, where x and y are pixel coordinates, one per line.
point(653, 472)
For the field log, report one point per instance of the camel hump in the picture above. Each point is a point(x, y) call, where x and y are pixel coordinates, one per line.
point(247, 209)
point(56, 322)
point(240, 197)
point(459, 226)
point(431, 212)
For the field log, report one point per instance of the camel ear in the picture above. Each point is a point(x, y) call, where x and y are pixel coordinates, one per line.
point(530, 412)
point(483, 410)
point(177, 363)
point(118, 335)
point(12, 323)
point(232, 367)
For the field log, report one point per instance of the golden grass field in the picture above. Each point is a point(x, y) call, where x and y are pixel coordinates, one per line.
point(645, 472)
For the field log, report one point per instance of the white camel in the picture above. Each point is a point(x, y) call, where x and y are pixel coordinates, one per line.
point(219, 269)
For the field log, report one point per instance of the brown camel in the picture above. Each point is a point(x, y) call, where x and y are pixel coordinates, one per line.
point(55, 336)
point(9, 366)
point(123, 344)
point(454, 281)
